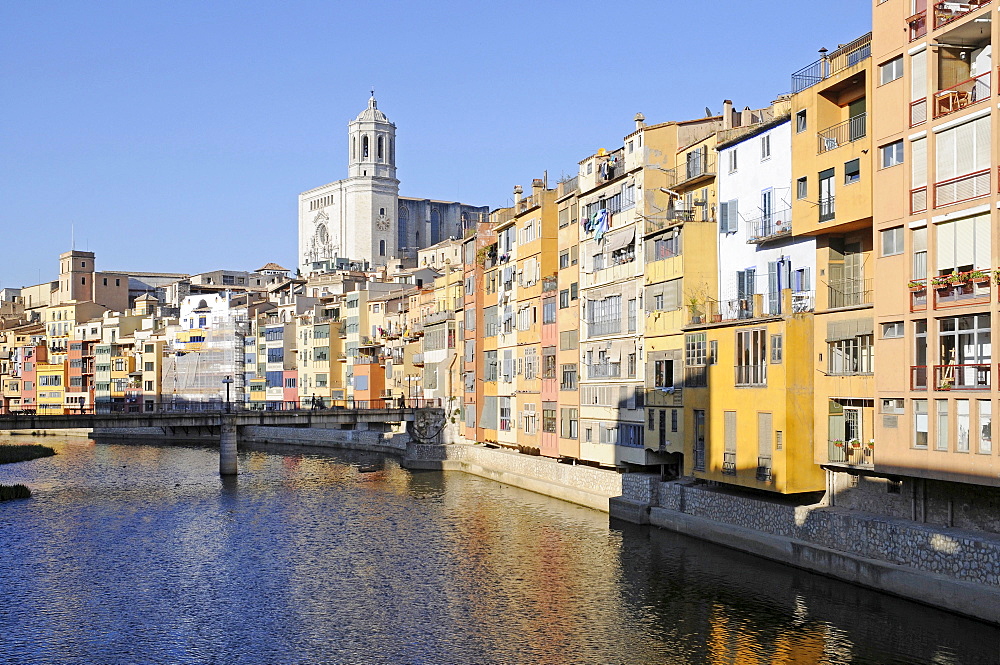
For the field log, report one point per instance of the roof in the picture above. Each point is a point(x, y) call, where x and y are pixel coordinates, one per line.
point(372, 113)
point(271, 266)
point(146, 297)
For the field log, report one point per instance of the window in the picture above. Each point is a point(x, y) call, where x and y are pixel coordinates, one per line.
point(569, 424)
point(549, 310)
point(800, 121)
point(962, 151)
point(962, 425)
point(732, 160)
point(852, 171)
point(549, 417)
point(963, 244)
point(667, 245)
point(802, 188)
point(853, 355)
point(826, 195)
point(890, 71)
point(506, 424)
point(663, 373)
point(941, 424)
point(569, 340)
point(728, 216)
point(568, 378)
point(891, 154)
point(564, 299)
point(892, 241)
point(765, 147)
point(604, 317)
point(892, 405)
point(985, 429)
point(965, 353)
point(491, 366)
point(564, 259)
point(573, 291)
point(776, 349)
point(751, 357)
point(919, 423)
point(892, 330)
point(695, 357)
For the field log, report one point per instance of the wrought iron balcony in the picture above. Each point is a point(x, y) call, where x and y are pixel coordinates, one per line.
point(844, 57)
point(699, 459)
point(764, 469)
point(729, 464)
point(827, 208)
point(918, 25)
point(852, 129)
point(850, 452)
point(773, 225)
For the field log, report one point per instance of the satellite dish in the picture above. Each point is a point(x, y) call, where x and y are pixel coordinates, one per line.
point(708, 112)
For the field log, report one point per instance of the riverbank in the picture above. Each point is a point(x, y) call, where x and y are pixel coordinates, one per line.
point(946, 567)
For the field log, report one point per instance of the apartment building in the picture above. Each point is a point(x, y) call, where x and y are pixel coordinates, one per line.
point(935, 171)
point(567, 321)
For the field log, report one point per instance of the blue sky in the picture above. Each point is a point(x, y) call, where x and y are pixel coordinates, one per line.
point(176, 136)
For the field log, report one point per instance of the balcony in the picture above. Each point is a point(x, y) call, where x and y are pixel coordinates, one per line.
point(849, 292)
point(418, 359)
point(962, 188)
point(764, 469)
point(918, 112)
point(550, 284)
point(946, 12)
point(918, 25)
point(729, 464)
point(962, 377)
point(844, 57)
point(827, 208)
point(918, 295)
point(771, 226)
point(918, 200)
point(959, 289)
point(699, 166)
point(850, 452)
point(439, 317)
point(918, 377)
point(849, 131)
point(803, 301)
point(736, 309)
point(605, 371)
point(962, 95)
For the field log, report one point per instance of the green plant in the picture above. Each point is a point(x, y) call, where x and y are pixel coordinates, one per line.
point(915, 284)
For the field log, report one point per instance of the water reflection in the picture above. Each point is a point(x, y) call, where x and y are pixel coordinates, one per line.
point(142, 553)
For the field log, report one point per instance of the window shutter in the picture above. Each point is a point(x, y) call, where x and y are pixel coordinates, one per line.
point(730, 431)
point(764, 434)
point(945, 245)
point(807, 279)
point(965, 241)
point(724, 217)
point(918, 163)
point(965, 148)
point(982, 139)
point(918, 76)
point(945, 150)
point(982, 231)
point(773, 294)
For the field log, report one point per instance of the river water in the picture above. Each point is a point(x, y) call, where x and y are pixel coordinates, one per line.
point(141, 554)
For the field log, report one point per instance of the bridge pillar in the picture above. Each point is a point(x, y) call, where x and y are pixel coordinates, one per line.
point(227, 446)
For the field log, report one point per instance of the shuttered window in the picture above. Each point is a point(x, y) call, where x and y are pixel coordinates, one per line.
point(963, 243)
point(728, 216)
point(918, 163)
point(764, 434)
point(729, 424)
point(918, 76)
point(961, 151)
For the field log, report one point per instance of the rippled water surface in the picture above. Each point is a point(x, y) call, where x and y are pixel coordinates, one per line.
point(130, 554)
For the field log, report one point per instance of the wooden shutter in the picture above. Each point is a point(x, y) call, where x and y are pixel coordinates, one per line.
point(724, 217)
point(730, 431)
point(764, 434)
point(982, 232)
point(918, 76)
point(918, 163)
point(945, 233)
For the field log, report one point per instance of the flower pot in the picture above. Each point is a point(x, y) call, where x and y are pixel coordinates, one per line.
point(716, 318)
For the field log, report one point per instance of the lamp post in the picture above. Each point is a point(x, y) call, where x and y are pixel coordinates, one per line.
point(228, 381)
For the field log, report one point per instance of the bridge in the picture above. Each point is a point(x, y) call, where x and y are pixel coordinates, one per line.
point(228, 420)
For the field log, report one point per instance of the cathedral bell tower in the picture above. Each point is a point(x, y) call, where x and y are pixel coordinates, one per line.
point(372, 187)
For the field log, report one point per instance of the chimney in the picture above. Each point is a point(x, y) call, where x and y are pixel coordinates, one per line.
point(747, 118)
point(727, 114)
point(640, 120)
point(517, 194)
point(537, 185)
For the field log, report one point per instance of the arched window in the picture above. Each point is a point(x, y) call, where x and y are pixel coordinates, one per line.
point(379, 148)
point(354, 147)
point(381, 211)
point(381, 247)
point(364, 147)
point(392, 149)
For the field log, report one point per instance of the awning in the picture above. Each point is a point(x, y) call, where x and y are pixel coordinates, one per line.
point(620, 240)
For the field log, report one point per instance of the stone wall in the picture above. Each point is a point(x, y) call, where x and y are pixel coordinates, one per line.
point(332, 438)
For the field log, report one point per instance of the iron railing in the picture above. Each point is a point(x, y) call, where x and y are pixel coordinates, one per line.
point(699, 459)
point(849, 452)
point(844, 57)
point(776, 224)
point(729, 464)
point(737, 308)
point(217, 406)
point(604, 371)
point(827, 208)
point(852, 129)
point(698, 165)
point(962, 377)
point(962, 95)
point(918, 200)
point(764, 469)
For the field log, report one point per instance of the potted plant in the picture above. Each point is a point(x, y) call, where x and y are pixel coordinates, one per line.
point(941, 281)
point(838, 443)
point(979, 276)
point(915, 285)
point(855, 444)
point(958, 278)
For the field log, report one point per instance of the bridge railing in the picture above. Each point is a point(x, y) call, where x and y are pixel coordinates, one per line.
point(319, 404)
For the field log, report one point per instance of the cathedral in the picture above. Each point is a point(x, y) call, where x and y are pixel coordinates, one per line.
point(363, 219)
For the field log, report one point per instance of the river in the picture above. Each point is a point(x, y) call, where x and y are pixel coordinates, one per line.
point(141, 554)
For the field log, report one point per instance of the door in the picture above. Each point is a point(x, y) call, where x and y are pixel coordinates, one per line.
point(857, 124)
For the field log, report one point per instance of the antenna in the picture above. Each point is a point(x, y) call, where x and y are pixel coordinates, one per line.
point(72, 237)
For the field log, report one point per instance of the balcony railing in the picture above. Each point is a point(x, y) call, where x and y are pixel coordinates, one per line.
point(967, 293)
point(550, 283)
point(699, 459)
point(946, 12)
point(699, 165)
point(827, 208)
point(729, 464)
point(918, 112)
point(962, 95)
point(604, 371)
point(751, 375)
point(773, 225)
point(737, 308)
point(850, 452)
point(918, 377)
point(962, 377)
point(918, 295)
point(844, 57)
point(918, 200)
point(418, 359)
point(962, 188)
point(764, 469)
point(852, 129)
point(803, 301)
point(849, 292)
point(918, 25)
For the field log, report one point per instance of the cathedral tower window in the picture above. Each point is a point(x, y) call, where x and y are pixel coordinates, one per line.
point(354, 147)
point(364, 147)
point(381, 247)
point(379, 148)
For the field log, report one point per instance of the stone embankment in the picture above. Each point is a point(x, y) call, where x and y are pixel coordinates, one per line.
point(950, 568)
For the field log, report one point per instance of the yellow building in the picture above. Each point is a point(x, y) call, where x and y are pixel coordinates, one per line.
point(51, 387)
point(567, 365)
point(833, 171)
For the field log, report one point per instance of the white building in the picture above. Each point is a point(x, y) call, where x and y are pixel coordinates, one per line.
point(363, 218)
point(757, 253)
